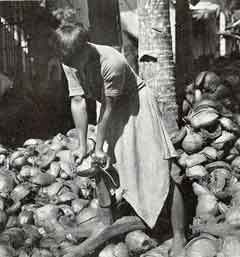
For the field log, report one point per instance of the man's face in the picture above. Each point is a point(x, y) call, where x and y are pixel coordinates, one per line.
point(70, 41)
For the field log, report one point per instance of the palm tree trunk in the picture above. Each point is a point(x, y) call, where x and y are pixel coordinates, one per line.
point(184, 55)
point(156, 58)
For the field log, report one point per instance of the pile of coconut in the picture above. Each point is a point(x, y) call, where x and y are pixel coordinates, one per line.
point(49, 208)
point(209, 155)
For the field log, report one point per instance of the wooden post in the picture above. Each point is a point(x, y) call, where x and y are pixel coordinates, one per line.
point(222, 27)
point(156, 57)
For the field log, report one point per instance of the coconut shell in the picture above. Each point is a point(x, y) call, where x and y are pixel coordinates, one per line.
point(44, 160)
point(236, 164)
point(20, 192)
point(64, 198)
point(46, 216)
point(237, 145)
point(25, 217)
point(230, 157)
point(86, 214)
point(210, 153)
point(190, 98)
point(199, 190)
point(218, 164)
point(34, 171)
point(179, 136)
point(197, 95)
point(23, 253)
point(202, 246)
point(186, 106)
point(56, 146)
point(19, 161)
point(25, 172)
point(79, 204)
point(197, 171)
point(32, 141)
point(14, 236)
point(205, 104)
point(229, 125)
point(68, 167)
point(65, 156)
point(211, 135)
point(138, 242)
point(64, 175)
point(68, 211)
point(190, 88)
point(41, 253)
point(2, 203)
point(195, 159)
point(232, 216)
point(3, 150)
point(53, 189)
point(54, 169)
point(223, 208)
point(107, 251)
point(6, 184)
point(3, 220)
point(7, 251)
point(72, 144)
point(192, 142)
point(207, 206)
point(12, 222)
point(219, 179)
point(182, 160)
point(3, 158)
point(15, 155)
point(199, 80)
point(231, 246)
point(43, 179)
point(203, 118)
point(225, 138)
point(14, 208)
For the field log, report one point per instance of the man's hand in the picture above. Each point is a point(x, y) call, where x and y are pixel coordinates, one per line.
point(80, 153)
point(102, 158)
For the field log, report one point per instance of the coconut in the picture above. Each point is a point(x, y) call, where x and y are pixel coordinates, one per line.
point(25, 217)
point(228, 124)
point(20, 192)
point(207, 206)
point(225, 138)
point(43, 179)
point(232, 215)
point(236, 165)
point(199, 189)
point(46, 158)
point(7, 251)
point(202, 247)
point(54, 169)
point(210, 153)
point(3, 220)
point(197, 171)
point(193, 142)
point(6, 184)
point(138, 242)
point(182, 160)
point(120, 250)
point(231, 246)
point(204, 118)
point(107, 251)
point(195, 159)
point(79, 204)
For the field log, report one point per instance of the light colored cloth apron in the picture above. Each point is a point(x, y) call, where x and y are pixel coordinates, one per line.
point(141, 150)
